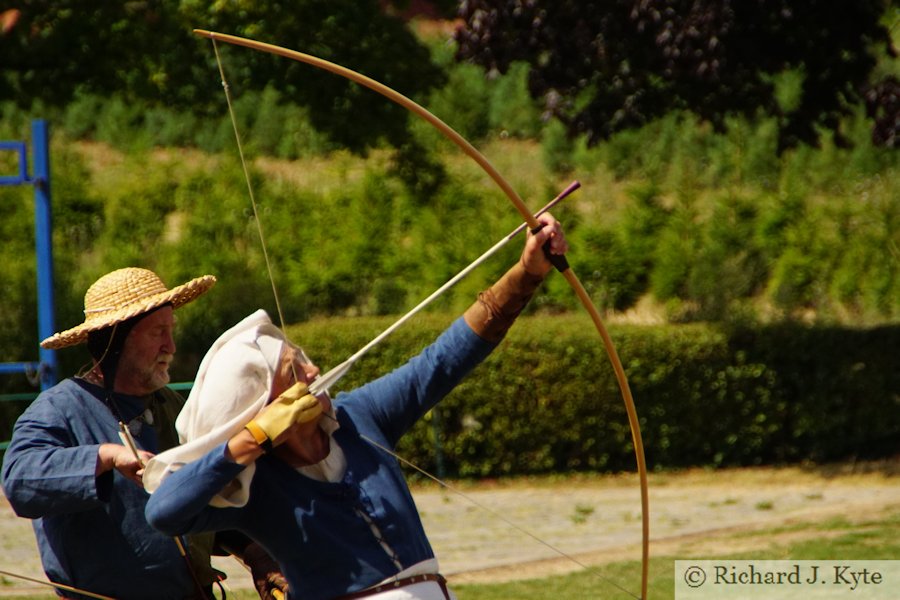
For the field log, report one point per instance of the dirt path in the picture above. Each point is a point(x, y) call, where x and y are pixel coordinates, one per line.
point(594, 520)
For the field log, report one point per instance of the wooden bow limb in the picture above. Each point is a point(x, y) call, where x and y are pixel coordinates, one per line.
point(571, 278)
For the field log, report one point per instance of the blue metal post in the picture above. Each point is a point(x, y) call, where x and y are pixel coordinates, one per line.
point(43, 230)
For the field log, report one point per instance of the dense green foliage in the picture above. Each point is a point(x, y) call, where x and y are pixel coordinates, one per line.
point(697, 225)
point(713, 226)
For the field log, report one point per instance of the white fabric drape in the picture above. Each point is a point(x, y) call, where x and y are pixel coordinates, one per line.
point(231, 387)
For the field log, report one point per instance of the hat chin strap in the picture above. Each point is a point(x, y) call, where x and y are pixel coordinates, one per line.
point(106, 347)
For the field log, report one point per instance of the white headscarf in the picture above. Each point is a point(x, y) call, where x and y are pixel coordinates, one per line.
point(232, 386)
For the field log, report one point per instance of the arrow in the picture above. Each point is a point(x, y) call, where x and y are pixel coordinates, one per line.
point(324, 382)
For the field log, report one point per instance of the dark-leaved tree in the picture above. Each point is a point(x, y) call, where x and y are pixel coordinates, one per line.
point(602, 66)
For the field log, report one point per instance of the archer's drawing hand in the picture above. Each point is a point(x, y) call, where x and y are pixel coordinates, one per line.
point(296, 405)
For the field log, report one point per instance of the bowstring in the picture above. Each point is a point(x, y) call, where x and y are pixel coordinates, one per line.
point(370, 441)
point(251, 193)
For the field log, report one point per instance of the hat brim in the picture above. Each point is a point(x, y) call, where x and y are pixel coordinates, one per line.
point(177, 297)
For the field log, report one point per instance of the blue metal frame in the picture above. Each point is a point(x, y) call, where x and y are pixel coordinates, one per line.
point(43, 242)
point(22, 177)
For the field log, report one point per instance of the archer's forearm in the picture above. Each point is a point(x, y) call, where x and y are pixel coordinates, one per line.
point(497, 308)
point(243, 448)
point(181, 503)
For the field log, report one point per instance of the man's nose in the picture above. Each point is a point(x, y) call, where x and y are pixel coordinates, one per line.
point(169, 343)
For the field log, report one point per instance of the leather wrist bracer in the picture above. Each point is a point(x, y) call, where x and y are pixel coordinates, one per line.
point(496, 309)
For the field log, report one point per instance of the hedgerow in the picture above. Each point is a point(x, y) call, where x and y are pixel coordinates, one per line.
point(546, 400)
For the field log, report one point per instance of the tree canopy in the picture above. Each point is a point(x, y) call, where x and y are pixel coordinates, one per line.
point(603, 66)
point(55, 49)
point(599, 66)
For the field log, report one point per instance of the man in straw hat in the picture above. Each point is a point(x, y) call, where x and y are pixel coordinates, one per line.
point(75, 462)
point(309, 480)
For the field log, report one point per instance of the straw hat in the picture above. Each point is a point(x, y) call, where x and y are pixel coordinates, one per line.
point(123, 294)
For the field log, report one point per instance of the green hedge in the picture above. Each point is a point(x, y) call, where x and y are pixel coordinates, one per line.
point(547, 400)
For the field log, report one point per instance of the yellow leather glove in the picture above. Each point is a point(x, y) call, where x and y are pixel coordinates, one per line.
point(296, 405)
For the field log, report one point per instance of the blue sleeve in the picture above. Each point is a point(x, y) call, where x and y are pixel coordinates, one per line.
point(397, 400)
point(44, 473)
point(181, 503)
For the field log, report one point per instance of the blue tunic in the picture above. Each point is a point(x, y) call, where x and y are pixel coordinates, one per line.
point(312, 527)
point(91, 531)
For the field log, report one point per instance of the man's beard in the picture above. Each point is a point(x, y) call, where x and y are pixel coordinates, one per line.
point(159, 375)
point(156, 376)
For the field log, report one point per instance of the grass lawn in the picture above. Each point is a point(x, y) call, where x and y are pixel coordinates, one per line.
point(837, 539)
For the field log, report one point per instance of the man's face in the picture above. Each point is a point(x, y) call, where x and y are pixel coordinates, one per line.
point(147, 353)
